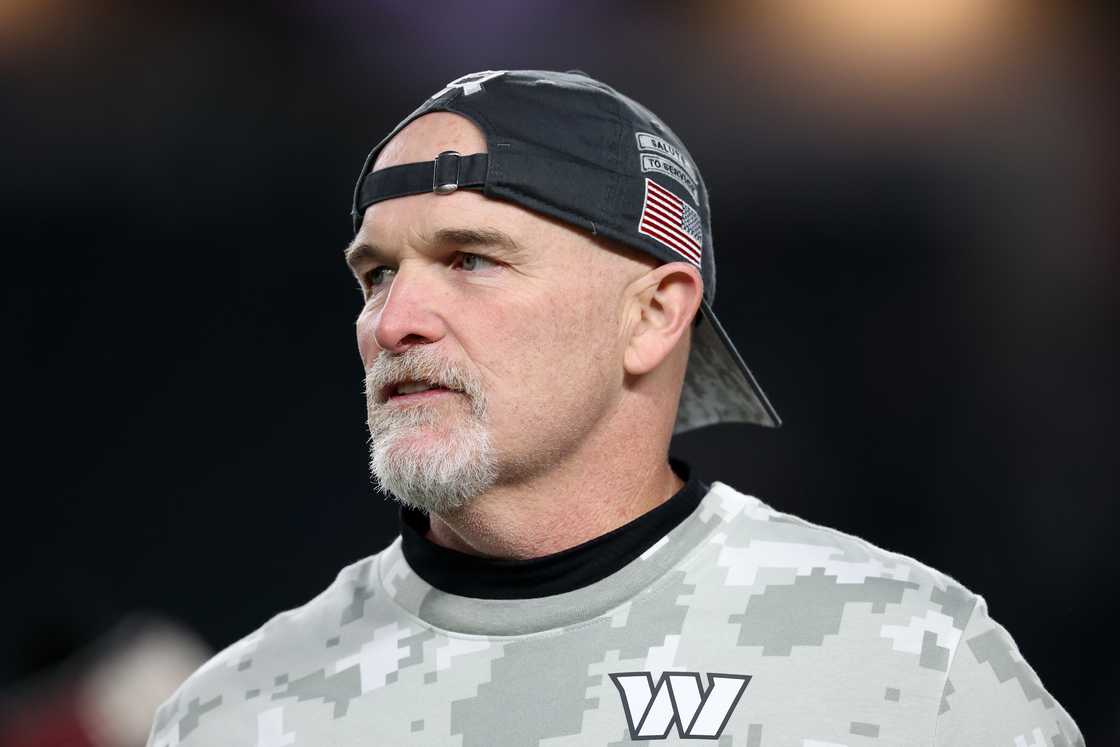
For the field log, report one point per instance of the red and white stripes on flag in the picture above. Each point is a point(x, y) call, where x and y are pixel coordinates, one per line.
point(671, 221)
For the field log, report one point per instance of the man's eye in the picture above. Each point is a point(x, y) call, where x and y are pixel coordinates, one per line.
point(376, 277)
point(470, 261)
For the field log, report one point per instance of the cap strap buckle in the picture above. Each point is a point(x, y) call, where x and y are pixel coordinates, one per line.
point(445, 172)
point(443, 175)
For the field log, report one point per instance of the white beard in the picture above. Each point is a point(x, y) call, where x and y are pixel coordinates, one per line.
point(419, 456)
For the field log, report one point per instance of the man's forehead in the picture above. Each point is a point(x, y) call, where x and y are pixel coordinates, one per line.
point(427, 136)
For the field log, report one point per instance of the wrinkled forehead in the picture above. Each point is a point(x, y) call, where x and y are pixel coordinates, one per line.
point(427, 136)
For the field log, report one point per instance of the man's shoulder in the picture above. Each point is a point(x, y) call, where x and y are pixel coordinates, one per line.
point(764, 546)
point(920, 637)
point(283, 643)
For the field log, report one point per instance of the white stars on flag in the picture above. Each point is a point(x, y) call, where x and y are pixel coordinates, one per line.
point(671, 221)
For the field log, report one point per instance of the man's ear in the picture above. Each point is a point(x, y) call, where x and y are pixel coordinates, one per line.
point(663, 303)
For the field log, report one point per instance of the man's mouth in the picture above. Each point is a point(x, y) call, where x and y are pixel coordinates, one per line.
point(414, 389)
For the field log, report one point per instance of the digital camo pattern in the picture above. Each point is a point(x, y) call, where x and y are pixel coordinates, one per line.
point(743, 626)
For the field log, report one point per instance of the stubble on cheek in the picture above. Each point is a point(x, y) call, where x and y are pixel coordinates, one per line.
point(555, 391)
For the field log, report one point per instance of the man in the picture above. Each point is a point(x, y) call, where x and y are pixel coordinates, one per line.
point(537, 269)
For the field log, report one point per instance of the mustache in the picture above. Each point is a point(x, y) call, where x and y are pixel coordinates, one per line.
point(418, 364)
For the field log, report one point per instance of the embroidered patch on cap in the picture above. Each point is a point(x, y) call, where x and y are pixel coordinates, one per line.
point(659, 155)
point(672, 222)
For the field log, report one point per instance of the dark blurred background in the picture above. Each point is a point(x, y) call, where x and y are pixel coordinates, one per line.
point(917, 256)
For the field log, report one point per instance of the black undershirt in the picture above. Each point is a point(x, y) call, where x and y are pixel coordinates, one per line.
point(468, 575)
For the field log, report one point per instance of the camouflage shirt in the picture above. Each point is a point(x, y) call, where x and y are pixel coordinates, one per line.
point(740, 625)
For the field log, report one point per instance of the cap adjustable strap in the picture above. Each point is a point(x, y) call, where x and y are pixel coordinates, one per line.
point(443, 175)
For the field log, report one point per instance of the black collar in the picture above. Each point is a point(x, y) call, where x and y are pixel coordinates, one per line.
point(467, 575)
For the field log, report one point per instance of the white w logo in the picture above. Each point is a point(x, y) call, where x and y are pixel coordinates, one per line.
point(471, 83)
point(699, 714)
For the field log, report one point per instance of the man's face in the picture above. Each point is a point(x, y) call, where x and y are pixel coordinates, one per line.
point(518, 313)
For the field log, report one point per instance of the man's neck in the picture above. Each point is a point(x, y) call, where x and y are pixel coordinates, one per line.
point(557, 511)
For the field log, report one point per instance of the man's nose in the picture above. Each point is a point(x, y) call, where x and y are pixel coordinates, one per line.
point(409, 314)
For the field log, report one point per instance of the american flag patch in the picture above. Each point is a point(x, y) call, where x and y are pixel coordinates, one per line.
point(671, 221)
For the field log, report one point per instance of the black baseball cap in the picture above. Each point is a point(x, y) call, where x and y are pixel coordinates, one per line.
point(571, 147)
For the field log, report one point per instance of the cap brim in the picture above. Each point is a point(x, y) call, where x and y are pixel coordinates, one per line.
point(718, 386)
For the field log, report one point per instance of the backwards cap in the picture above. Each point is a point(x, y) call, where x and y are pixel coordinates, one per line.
point(571, 147)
